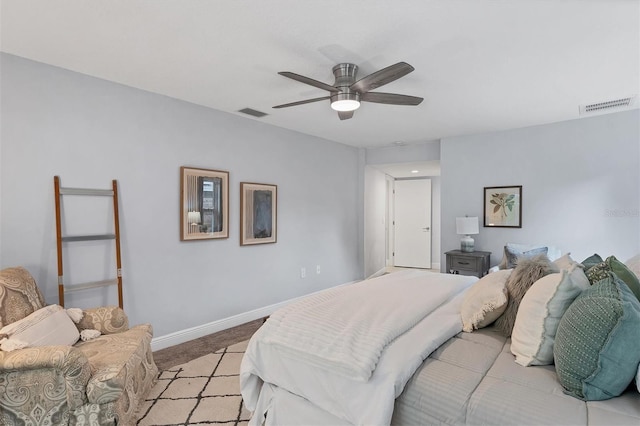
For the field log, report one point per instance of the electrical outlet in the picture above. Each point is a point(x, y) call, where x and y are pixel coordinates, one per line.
point(303, 272)
point(317, 269)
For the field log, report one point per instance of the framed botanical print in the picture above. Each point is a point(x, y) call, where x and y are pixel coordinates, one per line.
point(258, 213)
point(503, 206)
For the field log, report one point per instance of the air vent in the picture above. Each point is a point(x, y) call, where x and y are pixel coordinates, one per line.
point(601, 107)
point(252, 112)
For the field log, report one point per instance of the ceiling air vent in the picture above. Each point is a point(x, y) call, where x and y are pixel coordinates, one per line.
point(252, 112)
point(601, 107)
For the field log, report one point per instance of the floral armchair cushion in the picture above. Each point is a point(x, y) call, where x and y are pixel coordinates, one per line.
point(19, 295)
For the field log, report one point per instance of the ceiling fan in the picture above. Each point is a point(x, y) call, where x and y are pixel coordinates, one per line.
point(347, 93)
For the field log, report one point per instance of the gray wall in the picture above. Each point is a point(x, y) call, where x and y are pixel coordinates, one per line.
point(580, 183)
point(89, 131)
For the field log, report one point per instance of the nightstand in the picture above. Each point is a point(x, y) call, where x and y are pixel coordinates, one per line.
point(468, 263)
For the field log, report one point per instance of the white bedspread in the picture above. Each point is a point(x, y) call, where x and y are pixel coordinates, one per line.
point(345, 329)
point(358, 401)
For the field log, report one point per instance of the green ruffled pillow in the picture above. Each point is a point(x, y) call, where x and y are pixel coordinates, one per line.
point(597, 346)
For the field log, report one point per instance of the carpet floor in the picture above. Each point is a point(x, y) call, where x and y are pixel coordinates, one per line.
point(203, 391)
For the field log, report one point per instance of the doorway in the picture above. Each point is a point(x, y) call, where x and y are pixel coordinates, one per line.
point(412, 223)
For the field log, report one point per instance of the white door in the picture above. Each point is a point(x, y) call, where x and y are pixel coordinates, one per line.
point(413, 223)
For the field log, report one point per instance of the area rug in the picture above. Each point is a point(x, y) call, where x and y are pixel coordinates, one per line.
point(204, 391)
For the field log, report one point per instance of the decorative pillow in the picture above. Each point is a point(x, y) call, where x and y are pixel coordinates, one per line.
point(576, 269)
point(634, 264)
point(513, 255)
point(527, 271)
point(18, 287)
point(591, 261)
point(565, 261)
point(597, 347)
point(552, 252)
point(611, 264)
point(45, 327)
point(539, 314)
point(485, 301)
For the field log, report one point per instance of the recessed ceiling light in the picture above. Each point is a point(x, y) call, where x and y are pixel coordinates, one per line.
point(398, 143)
point(415, 171)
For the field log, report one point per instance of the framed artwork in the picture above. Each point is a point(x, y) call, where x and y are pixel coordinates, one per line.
point(204, 204)
point(503, 206)
point(258, 213)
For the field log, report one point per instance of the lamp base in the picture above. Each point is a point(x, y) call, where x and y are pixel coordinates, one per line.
point(467, 244)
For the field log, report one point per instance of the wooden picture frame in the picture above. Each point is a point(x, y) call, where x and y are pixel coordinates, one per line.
point(258, 213)
point(204, 204)
point(503, 206)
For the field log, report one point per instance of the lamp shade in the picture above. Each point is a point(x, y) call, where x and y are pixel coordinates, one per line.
point(467, 225)
point(193, 217)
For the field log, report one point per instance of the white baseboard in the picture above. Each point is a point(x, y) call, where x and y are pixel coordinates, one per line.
point(435, 266)
point(185, 335)
point(378, 273)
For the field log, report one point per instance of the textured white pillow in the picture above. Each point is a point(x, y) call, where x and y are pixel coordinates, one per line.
point(634, 264)
point(539, 314)
point(485, 301)
point(45, 327)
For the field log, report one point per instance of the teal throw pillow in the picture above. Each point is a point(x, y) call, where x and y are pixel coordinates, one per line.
point(597, 346)
point(591, 261)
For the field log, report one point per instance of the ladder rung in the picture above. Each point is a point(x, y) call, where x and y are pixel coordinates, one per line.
point(89, 237)
point(86, 286)
point(85, 191)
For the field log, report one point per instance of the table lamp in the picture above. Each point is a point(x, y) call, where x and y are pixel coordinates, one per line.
point(467, 226)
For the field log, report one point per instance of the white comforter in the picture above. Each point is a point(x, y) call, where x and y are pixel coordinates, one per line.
point(413, 336)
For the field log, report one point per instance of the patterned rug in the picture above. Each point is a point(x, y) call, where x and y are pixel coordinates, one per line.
point(204, 391)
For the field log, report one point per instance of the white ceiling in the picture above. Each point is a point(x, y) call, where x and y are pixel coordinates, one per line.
point(481, 65)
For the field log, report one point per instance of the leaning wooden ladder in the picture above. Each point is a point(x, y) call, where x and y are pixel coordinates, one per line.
point(59, 192)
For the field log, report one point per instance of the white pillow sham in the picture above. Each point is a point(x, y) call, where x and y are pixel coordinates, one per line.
point(539, 314)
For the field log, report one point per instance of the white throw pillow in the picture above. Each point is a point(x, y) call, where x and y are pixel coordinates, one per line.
point(485, 301)
point(539, 314)
point(45, 327)
point(634, 264)
point(565, 261)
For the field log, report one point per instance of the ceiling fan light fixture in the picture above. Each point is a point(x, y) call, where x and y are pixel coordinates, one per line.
point(345, 105)
point(345, 102)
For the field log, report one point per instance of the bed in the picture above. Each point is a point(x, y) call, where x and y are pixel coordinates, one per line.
point(412, 365)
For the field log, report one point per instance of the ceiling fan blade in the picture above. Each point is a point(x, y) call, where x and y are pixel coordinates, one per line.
point(390, 98)
point(306, 101)
point(382, 77)
point(309, 81)
point(345, 115)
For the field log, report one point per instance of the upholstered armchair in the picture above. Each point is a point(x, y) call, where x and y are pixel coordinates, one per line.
point(100, 381)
